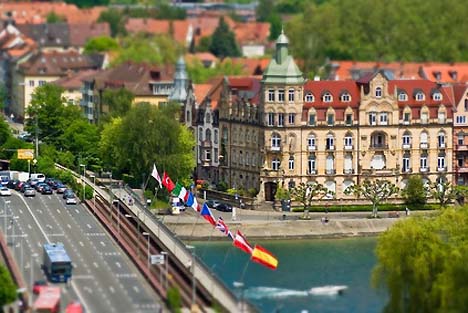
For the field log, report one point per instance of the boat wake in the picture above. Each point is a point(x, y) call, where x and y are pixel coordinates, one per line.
point(278, 293)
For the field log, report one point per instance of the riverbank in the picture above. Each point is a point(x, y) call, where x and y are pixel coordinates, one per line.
point(277, 225)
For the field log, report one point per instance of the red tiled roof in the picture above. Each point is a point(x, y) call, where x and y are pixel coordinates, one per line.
point(412, 86)
point(251, 66)
point(459, 92)
point(74, 81)
point(249, 84)
point(446, 73)
point(180, 28)
point(336, 88)
point(81, 33)
point(200, 91)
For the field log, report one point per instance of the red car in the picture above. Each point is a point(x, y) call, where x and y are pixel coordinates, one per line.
point(74, 307)
point(38, 285)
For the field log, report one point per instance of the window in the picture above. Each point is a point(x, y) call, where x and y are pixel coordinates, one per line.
point(330, 163)
point(406, 139)
point(330, 119)
point(406, 163)
point(402, 96)
point(311, 142)
point(372, 118)
point(330, 144)
point(276, 141)
point(200, 134)
point(275, 164)
point(419, 96)
point(281, 95)
point(187, 116)
point(208, 135)
point(460, 161)
point(461, 119)
point(437, 96)
point(31, 83)
point(291, 118)
point(280, 119)
point(349, 119)
point(383, 118)
point(346, 97)
point(424, 118)
point(423, 139)
point(466, 105)
point(208, 155)
point(208, 118)
point(461, 140)
point(271, 119)
point(423, 162)
point(441, 161)
point(378, 92)
point(327, 97)
point(311, 164)
point(441, 140)
point(216, 157)
point(291, 163)
point(312, 119)
point(309, 97)
point(247, 158)
point(271, 95)
point(42, 82)
point(406, 117)
point(291, 95)
point(348, 141)
point(348, 163)
point(441, 117)
point(215, 136)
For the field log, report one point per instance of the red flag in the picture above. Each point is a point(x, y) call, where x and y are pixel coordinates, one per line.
point(264, 257)
point(241, 242)
point(167, 182)
point(207, 215)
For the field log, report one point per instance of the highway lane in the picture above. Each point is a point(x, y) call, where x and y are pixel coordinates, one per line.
point(104, 278)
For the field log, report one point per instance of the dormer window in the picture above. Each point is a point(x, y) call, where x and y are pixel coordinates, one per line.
point(327, 97)
point(437, 96)
point(378, 92)
point(419, 96)
point(309, 97)
point(346, 97)
point(402, 97)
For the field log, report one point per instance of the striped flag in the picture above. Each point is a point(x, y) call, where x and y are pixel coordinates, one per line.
point(222, 227)
point(241, 242)
point(207, 215)
point(179, 191)
point(156, 176)
point(264, 257)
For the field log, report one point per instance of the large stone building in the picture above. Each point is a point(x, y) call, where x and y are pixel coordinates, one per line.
point(335, 133)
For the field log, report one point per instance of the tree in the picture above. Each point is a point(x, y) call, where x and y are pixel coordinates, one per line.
point(5, 131)
point(421, 263)
point(53, 17)
point(119, 101)
point(101, 44)
point(444, 193)
point(81, 139)
point(376, 191)
point(415, 193)
point(116, 21)
point(275, 26)
point(7, 287)
point(264, 10)
point(307, 193)
point(200, 74)
point(223, 41)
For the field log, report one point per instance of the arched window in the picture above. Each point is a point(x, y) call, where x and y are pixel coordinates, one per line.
point(208, 118)
point(441, 139)
point(309, 97)
point(348, 141)
point(311, 165)
point(378, 92)
point(200, 134)
point(424, 140)
point(330, 143)
point(327, 97)
point(247, 158)
point(406, 140)
point(311, 144)
point(291, 163)
point(437, 96)
point(330, 164)
point(419, 96)
point(275, 164)
point(348, 163)
point(406, 166)
point(402, 96)
point(215, 136)
point(275, 142)
point(208, 135)
point(187, 116)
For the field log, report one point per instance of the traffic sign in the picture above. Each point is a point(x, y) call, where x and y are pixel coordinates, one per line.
point(157, 259)
point(25, 154)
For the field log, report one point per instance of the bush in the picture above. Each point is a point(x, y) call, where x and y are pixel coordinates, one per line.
point(174, 301)
point(252, 192)
point(364, 208)
point(222, 186)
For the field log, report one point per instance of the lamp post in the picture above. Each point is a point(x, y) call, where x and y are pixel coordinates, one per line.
point(94, 192)
point(5, 219)
point(147, 247)
point(240, 285)
point(192, 249)
point(166, 261)
point(83, 180)
point(138, 231)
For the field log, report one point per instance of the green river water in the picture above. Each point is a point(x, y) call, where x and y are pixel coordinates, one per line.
point(303, 265)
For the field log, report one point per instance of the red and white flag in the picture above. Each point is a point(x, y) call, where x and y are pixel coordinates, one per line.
point(167, 182)
point(156, 176)
point(241, 242)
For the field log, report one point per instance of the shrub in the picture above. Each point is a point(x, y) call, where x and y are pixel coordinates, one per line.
point(222, 186)
point(174, 301)
point(252, 192)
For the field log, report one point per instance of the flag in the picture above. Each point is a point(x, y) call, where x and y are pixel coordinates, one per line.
point(156, 176)
point(222, 227)
point(179, 191)
point(167, 182)
point(207, 215)
point(241, 242)
point(188, 199)
point(195, 205)
point(264, 257)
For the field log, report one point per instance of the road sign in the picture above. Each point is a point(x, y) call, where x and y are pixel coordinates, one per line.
point(25, 154)
point(157, 259)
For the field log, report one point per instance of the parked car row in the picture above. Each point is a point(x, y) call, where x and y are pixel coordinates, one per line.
point(219, 205)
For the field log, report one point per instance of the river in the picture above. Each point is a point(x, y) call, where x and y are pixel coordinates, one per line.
point(303, 265)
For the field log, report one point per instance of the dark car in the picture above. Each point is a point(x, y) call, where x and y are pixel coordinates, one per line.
point(60, 188)
point(56, 183)
point(49, 181)
point(68, 193)
point(40, 186)
point(13, 183)
point(46, 190)
point(212, 204)
point(24, 186)
point(224, 207)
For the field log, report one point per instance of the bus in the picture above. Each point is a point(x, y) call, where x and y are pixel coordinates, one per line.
point(48, 300)
point(57, 264)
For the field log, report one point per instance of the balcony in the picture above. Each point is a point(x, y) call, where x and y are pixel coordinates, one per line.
point(381, 146)
point(462, 147)
point(424, 145)
point(330, 148)
point(348, 148)
point(424, 169)
point(442, 169)
point(312, 172)
point(330, 171)
point(406, 146)
point(406, 170)
point(274, 148)
point(206, 162)
point(311, 148)
point(442, 145)
point(348, 171)
point(463, 169)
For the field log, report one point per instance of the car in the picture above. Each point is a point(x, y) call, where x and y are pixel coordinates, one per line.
point(46, 190)
point(29, 192)
point(4, 191)
point(60, 188)
point(71, 200)
point(38, 285)
point(13, 183)
point(49, 181)
point(212, 204)
point(24, 186)
point(224, 207)
point(68, 193)
point(33, 182)
point(74, 307)
point(40, 186)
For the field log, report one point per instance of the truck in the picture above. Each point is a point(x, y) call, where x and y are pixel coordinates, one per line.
point(21, 176)
point(48, 300)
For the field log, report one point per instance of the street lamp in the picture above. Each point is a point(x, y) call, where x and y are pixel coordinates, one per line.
point(166, 261)
point(148, 247)
point(5, 219)
point(31, 277)
point(240, 285)
point(192, 249)
point(94, 192)
point(83, 180)
point(138, 231)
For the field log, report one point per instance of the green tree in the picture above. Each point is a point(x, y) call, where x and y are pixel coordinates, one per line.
point(308, 193)
point(7, 287)
point(81, 139)
point(376, 191)
point(5, 131)
point(116, 21)
point(201, 74)
point(53, 17)
point(110, 135)
point(264, 10)
point(101, 44)
point(275, 26)
point(444, 193)
point(415, 193)
point(223, 41)
point(119, 101)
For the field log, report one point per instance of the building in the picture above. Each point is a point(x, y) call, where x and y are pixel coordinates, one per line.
point(460, 134)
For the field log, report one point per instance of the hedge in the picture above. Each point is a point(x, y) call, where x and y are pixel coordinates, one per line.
point(365, 208)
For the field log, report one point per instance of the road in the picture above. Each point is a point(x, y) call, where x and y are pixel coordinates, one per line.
point(104, 279)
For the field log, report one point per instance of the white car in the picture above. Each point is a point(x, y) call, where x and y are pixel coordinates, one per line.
point(5, 191)
point(71, 200)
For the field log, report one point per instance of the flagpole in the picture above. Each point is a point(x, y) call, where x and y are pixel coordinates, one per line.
point(194, 224)
point(209, 239)
point(244, 271)
point(227, 254)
